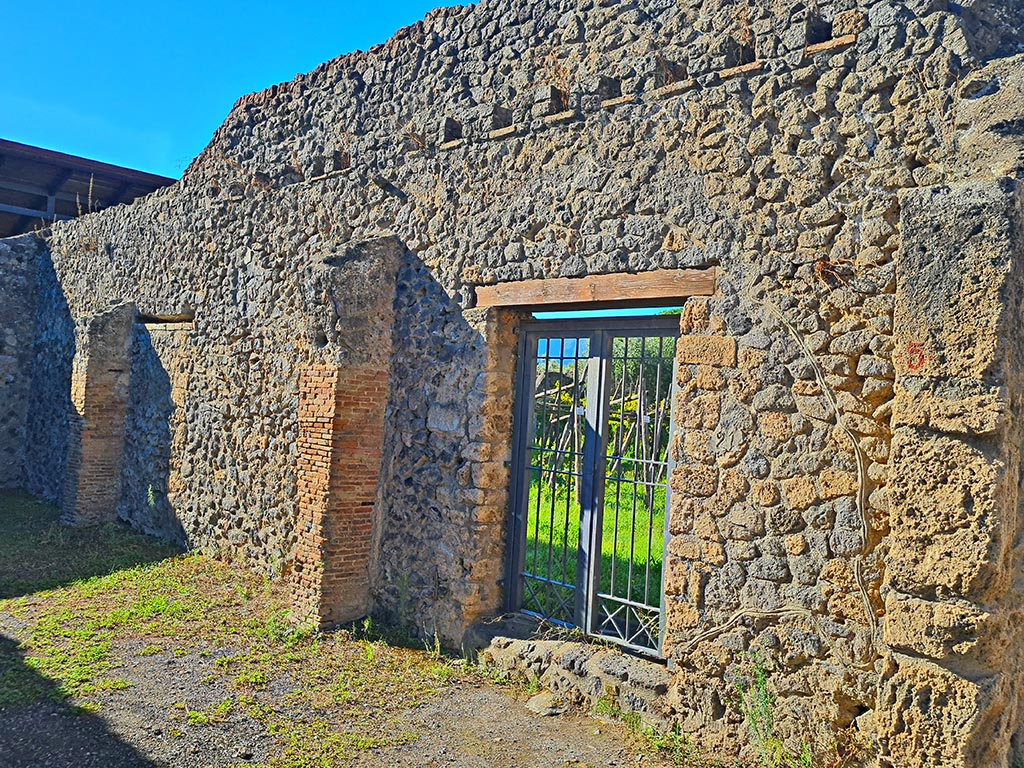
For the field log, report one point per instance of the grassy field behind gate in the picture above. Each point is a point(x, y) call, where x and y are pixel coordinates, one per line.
point(636, 541)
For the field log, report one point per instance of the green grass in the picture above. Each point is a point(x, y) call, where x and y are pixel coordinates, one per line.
point(215, 714)
point(88, 600)
point(756, 702)
point(634, 435)
point(673, 745)
point(37, 552)
point(636, 539)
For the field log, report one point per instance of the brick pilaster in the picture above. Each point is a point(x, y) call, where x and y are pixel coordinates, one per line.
point(99, 396)
point(341, 434)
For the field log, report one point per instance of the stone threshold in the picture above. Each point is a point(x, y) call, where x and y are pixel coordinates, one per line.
point(581, 672)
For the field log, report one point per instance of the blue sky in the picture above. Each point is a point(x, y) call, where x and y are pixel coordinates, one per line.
point(145, 84)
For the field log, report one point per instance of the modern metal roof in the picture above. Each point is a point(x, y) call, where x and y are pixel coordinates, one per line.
point(38, 186)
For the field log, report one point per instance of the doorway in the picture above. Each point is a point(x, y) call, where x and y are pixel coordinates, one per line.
point(590, 475)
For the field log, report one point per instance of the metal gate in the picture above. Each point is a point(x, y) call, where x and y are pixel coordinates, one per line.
point(591, 469)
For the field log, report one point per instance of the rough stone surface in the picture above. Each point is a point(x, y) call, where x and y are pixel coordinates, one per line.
point(18, 286)
point(846, 493)
point(575, 673)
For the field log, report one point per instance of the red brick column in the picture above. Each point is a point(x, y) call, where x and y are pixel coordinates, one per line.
point(341, 433)
point(99, 394)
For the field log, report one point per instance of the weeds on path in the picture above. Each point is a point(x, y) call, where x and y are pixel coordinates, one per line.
point(82, 602)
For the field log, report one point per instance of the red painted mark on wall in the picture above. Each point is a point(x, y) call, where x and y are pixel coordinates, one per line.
point(915, 356)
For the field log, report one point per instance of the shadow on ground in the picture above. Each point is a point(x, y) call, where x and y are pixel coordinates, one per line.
point(48, 732)
point(37, 552)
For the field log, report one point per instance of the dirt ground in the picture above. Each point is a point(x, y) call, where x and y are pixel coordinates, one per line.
point(117, 651)
point(468, 724)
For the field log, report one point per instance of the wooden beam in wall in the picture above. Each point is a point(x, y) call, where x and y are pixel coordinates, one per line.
point(661, 287)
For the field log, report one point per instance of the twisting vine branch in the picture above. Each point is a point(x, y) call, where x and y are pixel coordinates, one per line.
point(861, 501)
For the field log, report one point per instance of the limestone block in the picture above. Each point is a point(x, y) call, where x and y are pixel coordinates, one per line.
point(948, 501)
point(702, 411)
point(491, 476)
point(835, 483)
point(796, 544)
point(953, 269)
point(744, 386)
point(685, 547)
point(875, 448)
point(930, 716)
point(695, 480)
point(694, 316)
point(707, 350)
point(879, 499)
point(800, 492)
point(936, 630)
point(765, 493)
point(775, 425)
point(849, 22)
point(695, 446)
point(750, 359)
point(693, 548)
point(876, 389)
point(704, 524)
point(847, 605)
point(863, 425)
point(807, 388)
point(732, 488)
point(954, 406)
point(681, 615)
point(710, 378)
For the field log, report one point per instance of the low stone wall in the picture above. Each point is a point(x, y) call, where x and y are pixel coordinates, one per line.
point(586, 675)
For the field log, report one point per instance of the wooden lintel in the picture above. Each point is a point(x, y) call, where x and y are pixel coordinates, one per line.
point(661, 287)
point(673, 89)
point(501, 133)
point(753, 66)
point(830, 45)
point(562, 117)
point(619, 100)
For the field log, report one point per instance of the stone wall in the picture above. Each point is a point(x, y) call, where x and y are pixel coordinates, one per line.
point(17, 330)
point(847, 450)
point(51, 414)
point(440, 561)
point(954, 492)
point(157, 390)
